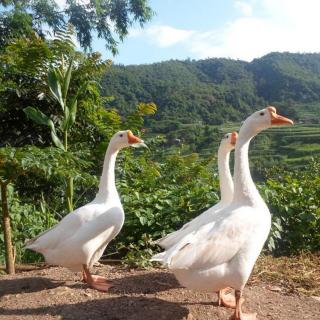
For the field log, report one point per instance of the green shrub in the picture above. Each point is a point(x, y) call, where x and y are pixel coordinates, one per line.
point(28, 221)
point(159, 198)
point(294, 200)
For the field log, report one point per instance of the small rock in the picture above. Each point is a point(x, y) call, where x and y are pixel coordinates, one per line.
point(316, 298)
point(87, 294)
point(274, 288)
point(18, 295)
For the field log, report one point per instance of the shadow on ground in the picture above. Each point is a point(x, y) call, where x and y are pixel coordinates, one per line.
point(122, 308)
point(145, 283)
point(34, 284)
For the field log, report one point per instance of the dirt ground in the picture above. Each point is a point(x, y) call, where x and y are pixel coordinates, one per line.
point(56, 293)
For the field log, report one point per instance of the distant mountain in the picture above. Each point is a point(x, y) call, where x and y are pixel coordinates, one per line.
point(282, 76)
point(214, 91)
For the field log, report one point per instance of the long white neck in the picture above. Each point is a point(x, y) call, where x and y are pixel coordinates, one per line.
point(226, 182)
point(107, 185)
point(245, 190)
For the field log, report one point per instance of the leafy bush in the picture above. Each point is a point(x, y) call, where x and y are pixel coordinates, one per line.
point(294, 200)
point(28, 221)
point(159, 198)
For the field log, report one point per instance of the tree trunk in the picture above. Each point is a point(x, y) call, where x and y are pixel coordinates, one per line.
point(7, 230)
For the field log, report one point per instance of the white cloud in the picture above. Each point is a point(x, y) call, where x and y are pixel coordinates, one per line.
point(264, 26)
point(166, 36)
point(244, 7)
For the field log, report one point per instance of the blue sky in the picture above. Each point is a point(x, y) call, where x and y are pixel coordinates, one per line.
point(148, 44)
point(238, 29)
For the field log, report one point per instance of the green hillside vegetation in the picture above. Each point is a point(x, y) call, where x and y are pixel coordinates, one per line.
point(199, 100)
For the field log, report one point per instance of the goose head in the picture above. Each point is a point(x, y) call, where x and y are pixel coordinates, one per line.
point(125, 138)
point(228, 141)
point(264, 119)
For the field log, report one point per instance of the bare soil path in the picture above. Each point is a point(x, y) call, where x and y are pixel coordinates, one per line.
point(56, 293)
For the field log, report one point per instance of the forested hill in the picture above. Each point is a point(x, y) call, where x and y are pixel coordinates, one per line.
point(214, 91)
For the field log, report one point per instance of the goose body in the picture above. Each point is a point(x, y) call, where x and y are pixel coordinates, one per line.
point(226, 189)
point(223, 252)
point(211, 269)
point(80, 238)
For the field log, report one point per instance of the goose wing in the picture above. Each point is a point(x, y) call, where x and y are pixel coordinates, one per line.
point(212, 246)
point(61, 231)
point(174, 237)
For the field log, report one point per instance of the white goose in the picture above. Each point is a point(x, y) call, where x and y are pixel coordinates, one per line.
point(222, 253)
point(79, 239)
point(226, 189)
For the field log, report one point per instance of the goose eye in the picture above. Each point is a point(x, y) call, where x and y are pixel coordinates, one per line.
point(261, 113)
point(121, 135)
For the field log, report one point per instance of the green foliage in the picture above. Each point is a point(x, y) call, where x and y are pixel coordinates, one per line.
point(47, 161)
point(58, 83)
point(159, 198)
point(14, 24)
point(207, 91)
point(16, 162)
point(294, 199)
point(28, 221)
point(135, 119)
point(110, 20)
point(26, 65)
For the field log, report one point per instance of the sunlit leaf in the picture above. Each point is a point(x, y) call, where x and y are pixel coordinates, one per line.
point(66, 80)
point(36, 115)
point(55, 87)
point(56, 140)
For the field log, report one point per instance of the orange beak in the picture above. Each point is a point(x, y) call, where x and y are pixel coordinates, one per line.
point(276, 119)
point(132, 138)
point(234, 137)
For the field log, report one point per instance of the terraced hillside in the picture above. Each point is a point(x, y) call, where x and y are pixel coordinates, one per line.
point(290, 146)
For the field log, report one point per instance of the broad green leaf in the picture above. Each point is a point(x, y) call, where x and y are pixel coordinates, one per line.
point(37, 116)
point(51, 125)
point(59, 75)
point(56, 140)
point(65, 124)
point(66, 80)
point(55, 87)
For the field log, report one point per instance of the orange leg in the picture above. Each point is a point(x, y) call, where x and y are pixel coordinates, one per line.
point(238, 314)
point(94, 281)
point(226, 298)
